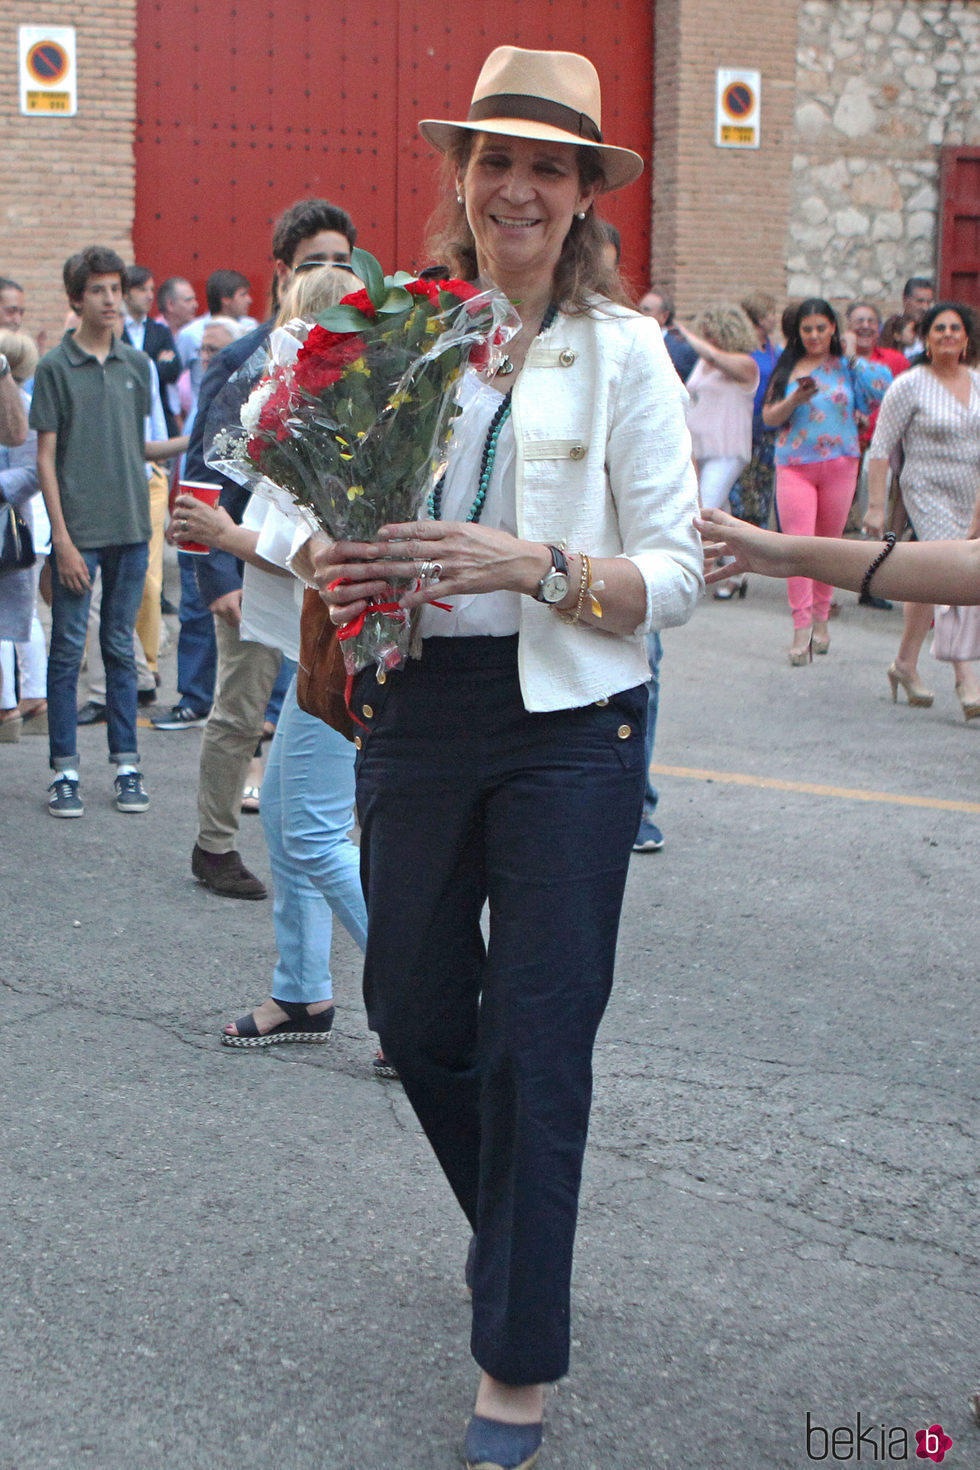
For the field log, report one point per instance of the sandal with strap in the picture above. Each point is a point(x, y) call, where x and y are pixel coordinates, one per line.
point(300, 1026)
point(383, 1069)
point(493, 1445)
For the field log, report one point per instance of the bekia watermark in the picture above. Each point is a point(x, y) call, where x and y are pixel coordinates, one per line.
point(874, 1442)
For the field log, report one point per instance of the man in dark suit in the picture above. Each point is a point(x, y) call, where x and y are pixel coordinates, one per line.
point(146, 335)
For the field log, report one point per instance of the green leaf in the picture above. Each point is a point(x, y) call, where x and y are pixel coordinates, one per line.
point(397, 301)
point(343, 319)
point(370, 273)
point(400, 278)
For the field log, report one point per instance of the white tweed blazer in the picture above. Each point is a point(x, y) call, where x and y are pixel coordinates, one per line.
point(603, 466)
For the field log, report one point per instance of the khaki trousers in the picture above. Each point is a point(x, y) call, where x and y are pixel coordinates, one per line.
point(246, 674)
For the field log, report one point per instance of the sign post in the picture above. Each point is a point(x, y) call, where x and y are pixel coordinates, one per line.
point(737, 108)
point(47, 71)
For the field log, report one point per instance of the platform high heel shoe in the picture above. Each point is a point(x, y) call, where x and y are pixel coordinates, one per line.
point(916, 694)
point(970, 707)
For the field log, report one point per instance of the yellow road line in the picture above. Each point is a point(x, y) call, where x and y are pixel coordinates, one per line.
point(733, 778)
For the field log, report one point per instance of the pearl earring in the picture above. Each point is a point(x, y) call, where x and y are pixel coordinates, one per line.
point(580, 214)
point(459, 198)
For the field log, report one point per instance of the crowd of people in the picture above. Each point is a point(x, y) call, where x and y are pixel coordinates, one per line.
point(560, 561)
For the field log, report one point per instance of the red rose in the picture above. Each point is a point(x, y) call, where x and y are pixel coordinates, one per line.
point(462, 290)
point(317, 369)
point(428, 289)
point(276, 412)
point(362, 302)
point(319, 342)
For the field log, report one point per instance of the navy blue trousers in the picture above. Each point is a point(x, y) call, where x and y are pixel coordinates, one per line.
point(466, 799)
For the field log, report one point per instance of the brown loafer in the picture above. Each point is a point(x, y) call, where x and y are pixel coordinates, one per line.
point(226, 874)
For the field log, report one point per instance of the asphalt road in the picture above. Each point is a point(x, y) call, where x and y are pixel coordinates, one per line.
point(215, 1260)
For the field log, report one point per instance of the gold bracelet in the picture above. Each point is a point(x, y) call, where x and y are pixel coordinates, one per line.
point(585, 577)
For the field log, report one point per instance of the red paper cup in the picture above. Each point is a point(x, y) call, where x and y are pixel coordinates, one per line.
point(207, 493)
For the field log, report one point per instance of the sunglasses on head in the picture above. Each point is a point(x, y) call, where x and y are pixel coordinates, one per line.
point(314, 264)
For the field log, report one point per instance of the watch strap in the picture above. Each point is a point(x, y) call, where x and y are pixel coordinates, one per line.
point(558, 559)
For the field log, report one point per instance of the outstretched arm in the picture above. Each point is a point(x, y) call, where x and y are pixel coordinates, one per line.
point(737, 365)
point(915, 571)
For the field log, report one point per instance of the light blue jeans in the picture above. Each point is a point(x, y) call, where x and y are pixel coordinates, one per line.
point(654, 653)
point(307, 811)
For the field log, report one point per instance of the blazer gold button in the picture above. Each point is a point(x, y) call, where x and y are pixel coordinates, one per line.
point(624, 732)
point(602, 703)
point(367, 711)
point(357, 742)
point(567, 357)
point(576, 452)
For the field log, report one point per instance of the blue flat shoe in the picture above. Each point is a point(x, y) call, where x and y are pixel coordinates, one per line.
point(491, 1445)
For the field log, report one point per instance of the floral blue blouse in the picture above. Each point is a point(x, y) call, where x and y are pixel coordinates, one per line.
point(825, 428)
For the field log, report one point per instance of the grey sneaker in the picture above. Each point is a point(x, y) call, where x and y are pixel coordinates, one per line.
point(649, 838)
point(130, 796)
point(64, 800)
point(178, 718)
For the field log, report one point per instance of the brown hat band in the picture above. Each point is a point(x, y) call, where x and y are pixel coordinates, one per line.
point(535, 109)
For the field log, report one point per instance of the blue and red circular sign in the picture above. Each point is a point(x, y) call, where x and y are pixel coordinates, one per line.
point(47, 62)
point(738, 100)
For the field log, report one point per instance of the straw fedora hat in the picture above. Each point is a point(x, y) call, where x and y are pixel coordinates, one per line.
point(552, 95)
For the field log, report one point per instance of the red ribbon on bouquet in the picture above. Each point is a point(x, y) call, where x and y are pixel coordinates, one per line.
point(351, 630)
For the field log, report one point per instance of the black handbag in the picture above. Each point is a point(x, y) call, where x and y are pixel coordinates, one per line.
point(17, 545)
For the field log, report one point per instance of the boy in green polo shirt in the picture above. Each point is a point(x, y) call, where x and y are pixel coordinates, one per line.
point(91, 398)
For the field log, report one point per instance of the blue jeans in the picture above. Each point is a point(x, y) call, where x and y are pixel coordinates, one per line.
point(654, 653)
point(286, 674)
point(123, 573)
point(465, 798)
point(307, 812)
point(197, 652)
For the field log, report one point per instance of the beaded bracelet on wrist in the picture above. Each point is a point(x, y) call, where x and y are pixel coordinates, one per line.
point(887, 550)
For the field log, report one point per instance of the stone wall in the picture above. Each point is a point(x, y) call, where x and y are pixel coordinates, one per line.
point(881, 86)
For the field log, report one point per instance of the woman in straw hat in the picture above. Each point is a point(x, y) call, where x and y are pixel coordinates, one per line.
point(506, 766)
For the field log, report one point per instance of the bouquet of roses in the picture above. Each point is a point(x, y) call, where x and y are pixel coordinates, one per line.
point(354, 417)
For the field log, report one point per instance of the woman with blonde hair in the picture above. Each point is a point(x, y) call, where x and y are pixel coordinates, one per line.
point(722, 388)
point(307, 793)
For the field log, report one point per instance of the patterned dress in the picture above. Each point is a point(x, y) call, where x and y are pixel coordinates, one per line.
point(941, 441)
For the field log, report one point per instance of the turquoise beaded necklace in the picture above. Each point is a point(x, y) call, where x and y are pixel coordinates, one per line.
point(434, 503)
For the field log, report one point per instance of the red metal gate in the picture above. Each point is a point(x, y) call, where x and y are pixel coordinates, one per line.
point(244, 107)
point(959, 251)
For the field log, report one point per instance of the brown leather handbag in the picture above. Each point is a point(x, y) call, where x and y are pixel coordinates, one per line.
point(321, 678)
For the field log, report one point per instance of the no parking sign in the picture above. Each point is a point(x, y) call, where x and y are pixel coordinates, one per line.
point(737, 108)
point(47, 71)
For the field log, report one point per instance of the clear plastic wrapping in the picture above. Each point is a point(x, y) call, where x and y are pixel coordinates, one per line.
point(351, 414)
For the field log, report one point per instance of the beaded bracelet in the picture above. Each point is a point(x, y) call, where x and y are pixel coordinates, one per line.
point(888, 549)
point(572, 615)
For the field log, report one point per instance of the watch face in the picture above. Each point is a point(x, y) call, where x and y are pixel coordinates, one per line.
point(554, 587)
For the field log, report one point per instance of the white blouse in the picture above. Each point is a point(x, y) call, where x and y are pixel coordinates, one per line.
point(493, 614)
point(940, 437)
